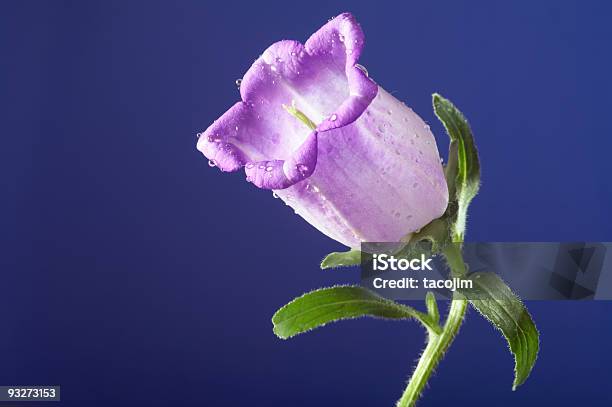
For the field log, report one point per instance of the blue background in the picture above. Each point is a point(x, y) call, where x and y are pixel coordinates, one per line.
point(134, 274)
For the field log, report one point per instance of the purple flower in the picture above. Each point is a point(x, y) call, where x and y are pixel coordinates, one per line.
point(351, 159)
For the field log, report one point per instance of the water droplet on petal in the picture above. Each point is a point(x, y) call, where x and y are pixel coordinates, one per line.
point(238, 83)
point(341, 37)
point(249, 166)
point(293, 53)
point(212, 163)
point(362, 69)
point(333, 117)
point(269, 168)
point(441, 160)
point(303, 169)
point(331, 18)
point(261, 167)
point(274, 195)
point(278, 59)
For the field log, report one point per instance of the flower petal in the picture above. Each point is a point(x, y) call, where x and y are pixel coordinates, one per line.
point(344, 30)
point(376, 180)
point(319, 79)
point(280, 174)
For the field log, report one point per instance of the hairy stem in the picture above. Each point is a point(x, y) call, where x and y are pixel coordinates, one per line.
point(438, 343)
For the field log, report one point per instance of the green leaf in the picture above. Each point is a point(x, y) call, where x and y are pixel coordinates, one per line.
point(341, 259)
point(320, 307)
point(498, 304)
point(463, 168)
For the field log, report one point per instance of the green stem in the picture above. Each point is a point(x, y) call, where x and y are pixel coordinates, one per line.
point(438, 343)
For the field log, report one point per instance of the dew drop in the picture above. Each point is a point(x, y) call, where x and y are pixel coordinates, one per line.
point(293, 53)
point(261, 167)
point(274, 195)
point(362, 69)
point(273, 69)
point(333, 117)
point(441, 160)
point(212, 163)
point(341, 37)
point(238, 83)
point(331, 18)
point(303, 169)
point(249, 166)
point(269, 168)
point(278, 59)
point(198, 135)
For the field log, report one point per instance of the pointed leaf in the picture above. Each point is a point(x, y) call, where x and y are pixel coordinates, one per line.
point(319, 307)
point(498, 304)
point(341, 259)
point(463, 168)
